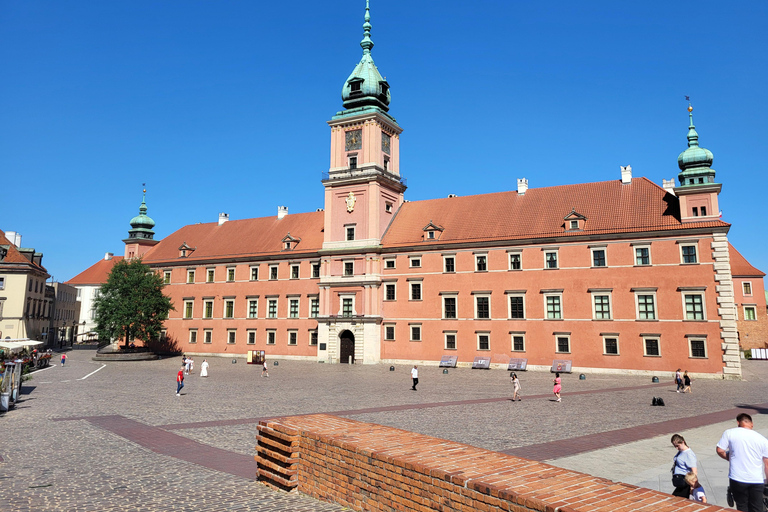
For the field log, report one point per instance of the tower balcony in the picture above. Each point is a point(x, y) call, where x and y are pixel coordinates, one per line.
point(365, 173)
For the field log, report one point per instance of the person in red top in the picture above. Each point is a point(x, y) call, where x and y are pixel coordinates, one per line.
point(180, 381)
point(63, 359)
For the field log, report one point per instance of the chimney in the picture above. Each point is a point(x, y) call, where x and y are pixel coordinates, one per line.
point(223, 217)
point(669, 185)
point(14, 238)
point(522, 186)
point(282, 211)
point(108, 256)
point(626, 174)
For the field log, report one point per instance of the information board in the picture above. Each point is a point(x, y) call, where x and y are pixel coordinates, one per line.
point(482, 363)
point(517, 364)
point(561, 365)
point(448, 361)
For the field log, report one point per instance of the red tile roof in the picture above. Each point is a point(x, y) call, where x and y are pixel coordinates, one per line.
point(96, 274)
point(241, 238)
point(740, 267)
point(610, 207)
point(14, 256)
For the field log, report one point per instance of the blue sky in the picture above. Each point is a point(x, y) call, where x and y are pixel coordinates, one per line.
point(222, 106)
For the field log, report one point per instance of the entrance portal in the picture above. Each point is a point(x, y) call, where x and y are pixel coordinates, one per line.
point(346, 347)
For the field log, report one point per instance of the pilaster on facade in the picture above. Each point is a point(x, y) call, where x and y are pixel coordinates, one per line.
point(726, 307)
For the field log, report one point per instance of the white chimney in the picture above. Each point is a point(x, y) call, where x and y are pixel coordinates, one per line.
point(14, 238)
point(108, 256)
point(626, 174)
point(669, 185)
point(223, 217)
point(522, 186)
point(282, 211)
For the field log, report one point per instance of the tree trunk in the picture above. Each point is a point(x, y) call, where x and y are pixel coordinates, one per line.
point(127, 337)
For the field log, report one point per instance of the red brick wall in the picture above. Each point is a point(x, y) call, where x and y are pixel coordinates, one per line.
point(371, 467)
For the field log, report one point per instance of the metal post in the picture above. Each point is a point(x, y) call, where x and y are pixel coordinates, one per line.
point(350, 359)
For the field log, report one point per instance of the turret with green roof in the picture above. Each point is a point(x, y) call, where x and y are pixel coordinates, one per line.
point(142, 224)
point(695, 161)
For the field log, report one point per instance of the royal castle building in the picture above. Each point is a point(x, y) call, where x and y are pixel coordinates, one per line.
point(613, 276)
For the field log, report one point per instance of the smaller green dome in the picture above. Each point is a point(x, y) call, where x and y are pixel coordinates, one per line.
point(142, 224)
point(695, 163)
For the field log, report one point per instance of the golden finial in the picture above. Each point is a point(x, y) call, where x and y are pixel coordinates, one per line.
point(690, 108)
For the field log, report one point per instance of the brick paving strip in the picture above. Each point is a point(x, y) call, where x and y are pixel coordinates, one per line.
point(576, 445)
point(176, 446)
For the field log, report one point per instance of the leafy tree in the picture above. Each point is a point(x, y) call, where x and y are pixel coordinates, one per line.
point(131, 304)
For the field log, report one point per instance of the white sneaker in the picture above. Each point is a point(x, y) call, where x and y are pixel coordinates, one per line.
point(557, 400)
point(177, 394)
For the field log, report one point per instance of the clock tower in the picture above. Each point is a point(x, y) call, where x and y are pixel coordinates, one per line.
point(363, 191)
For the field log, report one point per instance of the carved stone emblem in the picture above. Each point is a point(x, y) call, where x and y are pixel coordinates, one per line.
point(351, 200)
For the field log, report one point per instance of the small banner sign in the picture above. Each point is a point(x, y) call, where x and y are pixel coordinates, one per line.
point(561, 365)
point(482, 363)
point(517, 364)
point(448, 361)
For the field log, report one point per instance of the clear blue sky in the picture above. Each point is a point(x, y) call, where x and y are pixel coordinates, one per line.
point(221, 106)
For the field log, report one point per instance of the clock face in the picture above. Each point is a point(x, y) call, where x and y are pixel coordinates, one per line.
point(385, 141)
point(353, 140)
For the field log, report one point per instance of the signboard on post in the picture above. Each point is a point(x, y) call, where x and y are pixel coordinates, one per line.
point(518, 364)
point(448, 361)
point(561, 365)
point(482, 363)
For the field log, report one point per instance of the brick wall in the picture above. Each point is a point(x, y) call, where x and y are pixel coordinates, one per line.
point(371, 467)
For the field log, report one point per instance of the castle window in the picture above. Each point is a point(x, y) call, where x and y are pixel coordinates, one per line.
point(598, 258)
point(355, 86)
point(745, 286)
point(651, 346)
point(515, 261)
point(563, 344)
point(207, 336)
point(349, 268)
point(610, 345)
point(166, 279)
point(749, 313)
point(389, 332)
point(353, 162)
point(698, 348)
point(316, 270)
point(230, 274)
point(251, 338)
point(389, 291)
point(294, 271)
point(350, 233)
point(483, 341)
point(450, 341)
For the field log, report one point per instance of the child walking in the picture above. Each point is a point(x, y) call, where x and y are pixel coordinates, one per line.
point(697, 491)
point(264, 372)
point(558, 387)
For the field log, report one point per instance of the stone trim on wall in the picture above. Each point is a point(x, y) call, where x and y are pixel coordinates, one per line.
point(726, 307)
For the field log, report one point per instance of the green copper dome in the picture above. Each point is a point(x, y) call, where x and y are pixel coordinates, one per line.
point(365, 87)
point(142, 224)
point(695, 161)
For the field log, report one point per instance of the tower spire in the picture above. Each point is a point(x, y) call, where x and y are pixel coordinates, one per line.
point(693, 136)
point(695, 162)
point(367, 43)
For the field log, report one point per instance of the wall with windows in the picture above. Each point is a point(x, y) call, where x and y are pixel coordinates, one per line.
point(749, 293)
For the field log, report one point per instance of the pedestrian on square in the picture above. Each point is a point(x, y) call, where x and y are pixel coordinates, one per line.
point(187, 365)
point(515, 386)
point(686, 383)
point(204, 368)
point(747, 454)
point(180, 381)
point(264, 371)
point(63, 359)
point(415, 376)
point(679, 380)
point(697, 491)
point(684, 462)
point(558, 386)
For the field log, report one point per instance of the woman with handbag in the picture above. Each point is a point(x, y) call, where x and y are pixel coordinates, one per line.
point(684, 462)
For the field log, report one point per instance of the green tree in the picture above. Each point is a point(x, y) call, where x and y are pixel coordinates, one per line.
point(131, 304)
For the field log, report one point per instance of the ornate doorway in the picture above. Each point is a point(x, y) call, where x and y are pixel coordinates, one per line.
point(346, 347)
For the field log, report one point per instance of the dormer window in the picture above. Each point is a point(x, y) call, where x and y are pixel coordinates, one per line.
point(574, 224)
point(289, 242)
point(432, 231)
point(574, 221)
point(356, 86)
point(185, 250)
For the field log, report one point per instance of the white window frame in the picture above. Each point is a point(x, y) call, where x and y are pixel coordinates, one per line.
point(250, 337)
point(347, 228)
point(343, 296)
point(297, 273)
point(189, 309)
point(481, 257)
point(231, 336)
point(455, 335)
point(275, 272)
point(744, 285)
point(648, 337)
point(210, 275)
point(455, 297)
point(446, 257)
point(635, 248)
point(205, 308)
point(753, 308)
point(291, 302)
point(251, 301)
point(192, 337)
point(652, 292)
point(190, 276)
point(559, 296)
point(166, 279)
point(478, 334)
point(547, 252)
point(566, 335)
point(420, 283)
point(703, 340)
point(510, 294)
point(512, 336)
point(256, 277)
point(387, 262)
point(315, 265)
point(344, 264)
point(394, 285)
point(295, 334)
point(316, 335)
point(313, 299)
point(684, 293)
point(226, 303)
point(695, 246)
point(207, 336)
point(602, 293)
point(414, 261)
point(394, 332)
point(519, 254)
point(411, 328)
point(478, 295)
point(231, 274)
point(592, 251)
point(270, 301)
point(607, 336)
point(271, 337)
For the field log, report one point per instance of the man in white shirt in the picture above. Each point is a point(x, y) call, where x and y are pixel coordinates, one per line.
point(747, 453)
point(415, 376)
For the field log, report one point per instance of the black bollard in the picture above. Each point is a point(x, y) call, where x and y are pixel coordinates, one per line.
point(391, 368)
point(655, 379)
